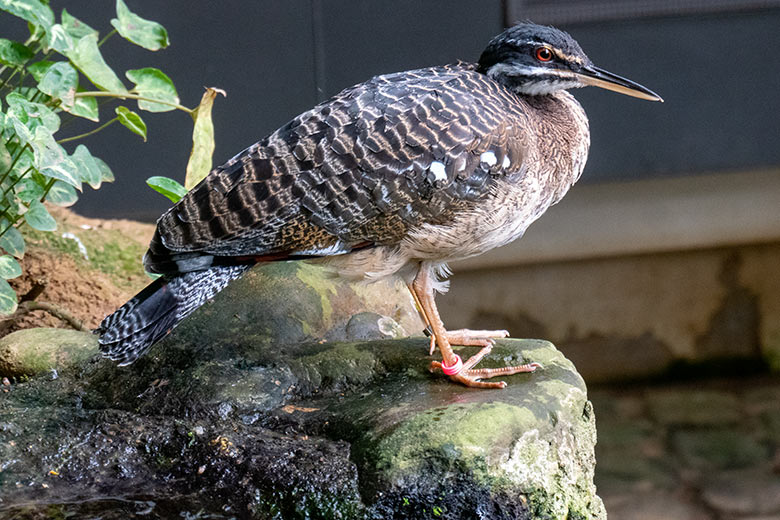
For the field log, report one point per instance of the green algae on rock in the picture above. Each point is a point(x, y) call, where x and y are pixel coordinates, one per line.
point(288, 303)
point(527, 449)
point(31, 352)
point(350, 430)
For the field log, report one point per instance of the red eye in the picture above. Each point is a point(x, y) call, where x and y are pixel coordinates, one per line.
point(543, 54)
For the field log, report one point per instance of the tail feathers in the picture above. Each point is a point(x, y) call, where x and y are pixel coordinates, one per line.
point(150, 315)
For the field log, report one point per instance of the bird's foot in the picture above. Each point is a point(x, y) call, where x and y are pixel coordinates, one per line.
point(466, 374)
point(469, 338)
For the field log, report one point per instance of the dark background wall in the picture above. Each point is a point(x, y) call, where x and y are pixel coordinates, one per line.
point(716, 71)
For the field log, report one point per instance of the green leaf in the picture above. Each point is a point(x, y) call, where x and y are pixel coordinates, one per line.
point(199, 164)
point(87, 166)
point(153, 83)
point(34, 11)
point(62, 194)
point(9, 267)
point(14, 53)
point(106, 175)
point(87, 58)
point(52, 160)
point(9, 201)
point(38, 217)
point(168, 187)
point(86, 107)
point(32, 115)
point(75, 27)
point(8, 300)
point(22, 132)
point(58, 39)
point(132, 121)
point(5, 156)
point(12, 241)
point(28, 190)
point(63, 37)
point(146, 33)
point(39, 68)
point(60, 82)
point(21, 171)
point(22, 164)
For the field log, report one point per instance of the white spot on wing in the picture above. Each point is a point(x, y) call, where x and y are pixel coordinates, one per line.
point(438, 171)
point(488, 158)
point(506, 162)
point(460, 163)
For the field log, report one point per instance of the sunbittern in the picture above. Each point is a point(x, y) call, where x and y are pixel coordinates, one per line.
point(392, 177)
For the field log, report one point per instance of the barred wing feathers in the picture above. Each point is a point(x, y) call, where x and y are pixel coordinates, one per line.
point(365, 167)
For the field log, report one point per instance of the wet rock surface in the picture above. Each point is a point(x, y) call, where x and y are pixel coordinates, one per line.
point(220, 422)
point(304, 437)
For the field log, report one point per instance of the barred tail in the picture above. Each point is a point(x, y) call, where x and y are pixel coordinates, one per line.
point(129, 332)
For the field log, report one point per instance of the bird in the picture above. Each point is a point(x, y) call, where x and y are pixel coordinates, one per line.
point(393, 177)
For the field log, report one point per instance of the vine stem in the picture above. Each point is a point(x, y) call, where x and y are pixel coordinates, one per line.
point(106, 37)
point(16, 159)
point(47, 189)
point(14, 183)
point(4, 82)
point(87, 134)
point(10, 225)
point(28, 306)
point(130, 95)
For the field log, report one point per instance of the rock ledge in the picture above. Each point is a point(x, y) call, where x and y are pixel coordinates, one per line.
point(334, 430)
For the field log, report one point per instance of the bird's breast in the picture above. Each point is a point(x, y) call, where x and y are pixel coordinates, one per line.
point(556, 147)
point(496, 221)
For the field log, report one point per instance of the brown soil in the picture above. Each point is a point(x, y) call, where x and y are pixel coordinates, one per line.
point(84, 288)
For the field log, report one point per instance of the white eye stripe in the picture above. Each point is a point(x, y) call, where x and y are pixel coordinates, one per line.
point(524, 70)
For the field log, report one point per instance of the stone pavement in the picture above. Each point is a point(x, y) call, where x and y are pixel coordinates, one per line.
point(704, 450)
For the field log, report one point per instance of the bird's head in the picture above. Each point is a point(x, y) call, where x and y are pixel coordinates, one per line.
point(534, 60)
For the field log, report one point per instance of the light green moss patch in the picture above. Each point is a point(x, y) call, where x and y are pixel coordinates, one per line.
point(325, 287)
point(36, 351)
point(474, 434)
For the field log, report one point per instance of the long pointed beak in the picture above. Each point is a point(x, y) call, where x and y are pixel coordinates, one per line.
point(597, 77)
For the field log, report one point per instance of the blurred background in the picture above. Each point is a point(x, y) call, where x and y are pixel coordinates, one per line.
point(658, 275)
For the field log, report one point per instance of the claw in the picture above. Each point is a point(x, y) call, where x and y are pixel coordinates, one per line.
point(451, 364)
point(473, 377)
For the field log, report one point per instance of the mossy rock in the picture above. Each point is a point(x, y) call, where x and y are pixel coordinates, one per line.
point(288, 303)
point(351, 430)
point(292, 395)
point(36, 351)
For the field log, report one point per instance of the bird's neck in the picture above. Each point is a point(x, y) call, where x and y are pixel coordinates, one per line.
point(563, 137)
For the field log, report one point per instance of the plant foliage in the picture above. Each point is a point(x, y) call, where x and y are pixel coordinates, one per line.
point(60, 73)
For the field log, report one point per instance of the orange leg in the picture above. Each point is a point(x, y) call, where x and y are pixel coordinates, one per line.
point(464, 337)
point(422, 291)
